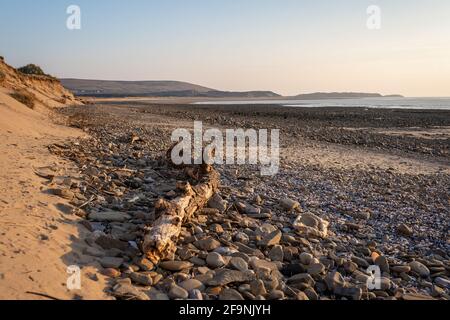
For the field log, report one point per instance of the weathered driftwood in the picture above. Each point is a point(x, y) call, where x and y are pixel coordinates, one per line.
point(160, 243)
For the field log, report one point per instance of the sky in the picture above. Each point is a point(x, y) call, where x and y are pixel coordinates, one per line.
point(287, 46)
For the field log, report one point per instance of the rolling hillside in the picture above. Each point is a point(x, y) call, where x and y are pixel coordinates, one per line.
point(105, 88)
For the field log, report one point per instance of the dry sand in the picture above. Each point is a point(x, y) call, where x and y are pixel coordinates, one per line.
point(38, 234)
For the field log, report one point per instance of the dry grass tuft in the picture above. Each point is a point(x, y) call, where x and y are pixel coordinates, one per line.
point(25, 98)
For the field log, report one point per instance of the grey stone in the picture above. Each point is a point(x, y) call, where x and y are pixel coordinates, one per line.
point(176, 292)
point(215, 260)
point(111, 262)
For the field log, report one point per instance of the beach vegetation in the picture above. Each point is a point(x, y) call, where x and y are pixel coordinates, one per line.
point(25, 98)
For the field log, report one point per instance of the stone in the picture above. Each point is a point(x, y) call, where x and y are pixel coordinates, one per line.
point(225, 277)
point(176, 292)
point(111, 262)
point(442, 282)
point(360, 262)
point(302, 278)
point(175, 265)
point(271, 239)
point(334, 280)
point(108, 216)
point(309, 225)
point(128, 292)
point(312, 294)
point(239, 263)
point(215, 260)
point(241, 237)
point(108, 243)
point(292, 269)
point(257, 288)
point(246, 208)
point(157, 295)
point(216, 228)
point(257, 264)
point(144, 264)
point(197, 261)
point(195, 295)
point(276, 295)
point(247, 250)
point(141, 278)
point(289, 205)
point(349, 292)
point(64, 193)
point(207, 244)
point(276, 253)
point(94, 252)
point(111, 273)
point(306, 258)
point(416, 297)
point(315, 269)
point(301, 296)
point(401, 269)
point(383, 263)
point(350, 266)
point(385, 284)
point(405, 230)
point(230, 295)
point(192, 284)
point(216, 202)
point(420, 269)
point(213, 291)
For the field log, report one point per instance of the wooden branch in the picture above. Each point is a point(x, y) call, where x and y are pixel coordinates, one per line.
point(160, 243)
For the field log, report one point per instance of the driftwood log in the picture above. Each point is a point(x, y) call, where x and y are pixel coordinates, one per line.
point(160, 242)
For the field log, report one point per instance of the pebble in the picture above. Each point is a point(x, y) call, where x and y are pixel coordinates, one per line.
point(360, 262)
point(401, 269)
point(383, 263)
point(334, 280)
point(110, 272)
point(276, 295)
point(175, 265)
point(226, 276)
point(129, 292)
point(257, 288)
point(141, 278)
point(230, 295)
point(301, 296)
point(239, 263)
point(192, 284)
point(271, 239)
point(208, 244)
point(316, 269)
point(109, 216)
point(216, 202)
point(216, 228)
point(111, 262)
point(276, 253)
point(420, 269)
point(306, 258)
point(176, 292)
point(405, 230)
point(144, 264)
point(289, 205)
point(195, 295)
point(215, 260)
point(442, 282)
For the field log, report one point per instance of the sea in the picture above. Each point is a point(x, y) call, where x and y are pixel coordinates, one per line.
point(378, 103)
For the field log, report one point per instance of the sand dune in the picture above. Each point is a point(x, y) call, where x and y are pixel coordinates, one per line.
point(38, 233)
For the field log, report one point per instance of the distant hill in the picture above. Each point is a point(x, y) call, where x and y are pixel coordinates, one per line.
point(342, 95)
point(106, 88)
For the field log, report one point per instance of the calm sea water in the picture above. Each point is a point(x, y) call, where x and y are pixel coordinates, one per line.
point(383, 103)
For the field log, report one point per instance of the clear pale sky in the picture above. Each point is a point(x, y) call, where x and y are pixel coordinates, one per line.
point(288, 46)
